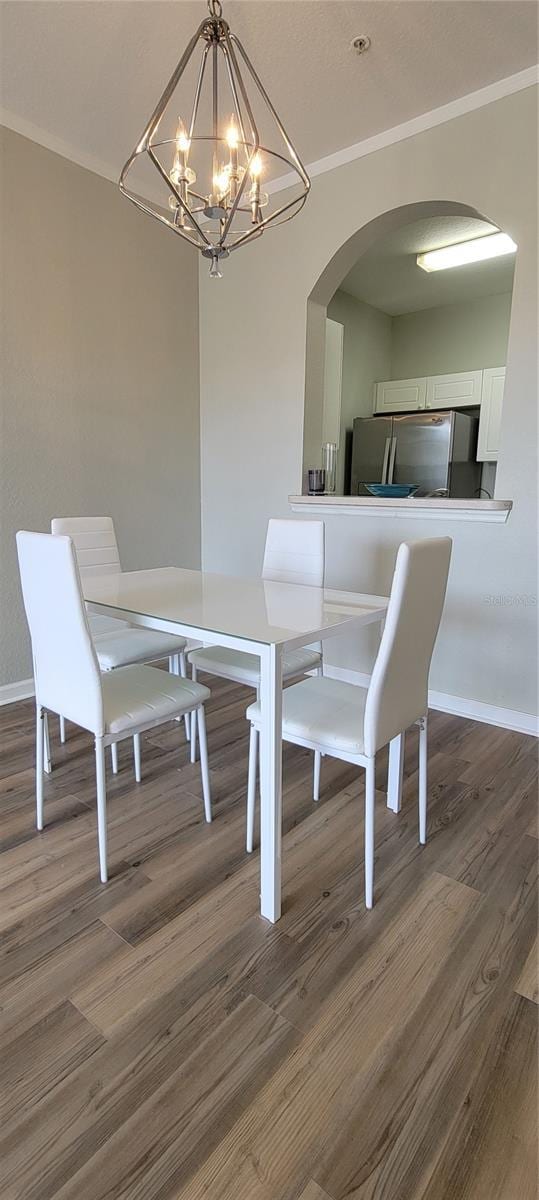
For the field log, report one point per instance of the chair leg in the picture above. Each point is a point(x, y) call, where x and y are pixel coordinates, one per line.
point(176, 666)
point(182, 670)
point(62, 730)
point(204, 761)
point(316, 775)
point(369, 832)
point(40, 738)
point(394, 775)
point(251, 787)
point(101, 807)
point(423, 780)
point(114, 757)
point(317, 755)
point(136, 757)
point(194, 722)
point(46, 744)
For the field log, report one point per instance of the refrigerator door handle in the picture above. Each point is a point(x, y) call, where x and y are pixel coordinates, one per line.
point(384, 464)
point(392, 460)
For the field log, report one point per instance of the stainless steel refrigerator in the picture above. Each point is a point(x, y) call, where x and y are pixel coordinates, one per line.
point(434, 450)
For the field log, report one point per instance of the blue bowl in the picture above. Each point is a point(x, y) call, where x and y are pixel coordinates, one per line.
point(392, 491)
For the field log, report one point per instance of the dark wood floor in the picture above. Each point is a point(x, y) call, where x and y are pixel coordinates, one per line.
point(161, 1040)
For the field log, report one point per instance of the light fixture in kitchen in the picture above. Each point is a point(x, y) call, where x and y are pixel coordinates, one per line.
point(491, 245)
point(215, 162)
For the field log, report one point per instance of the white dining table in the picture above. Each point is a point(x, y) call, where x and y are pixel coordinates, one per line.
point(261, 617)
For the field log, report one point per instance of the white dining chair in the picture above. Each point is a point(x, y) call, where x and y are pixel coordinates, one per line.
point(352, 723)
point(111, 705)
point(294, 553)
point(117, 643)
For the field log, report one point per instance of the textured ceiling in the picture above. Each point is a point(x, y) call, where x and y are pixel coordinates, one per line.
point(388, 277)
point(90, 73)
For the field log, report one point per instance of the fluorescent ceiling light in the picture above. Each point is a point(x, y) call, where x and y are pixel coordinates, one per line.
point(492, 245)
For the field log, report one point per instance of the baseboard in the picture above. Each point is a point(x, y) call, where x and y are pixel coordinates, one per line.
point(489, 714)
point(21, 690)
point(458, 706)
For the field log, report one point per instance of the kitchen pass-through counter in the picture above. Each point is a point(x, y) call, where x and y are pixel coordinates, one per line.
point(422, 507)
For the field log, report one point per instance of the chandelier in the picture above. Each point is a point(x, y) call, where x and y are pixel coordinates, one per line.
point(211, 150)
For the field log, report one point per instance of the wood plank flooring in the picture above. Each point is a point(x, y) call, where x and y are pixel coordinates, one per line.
point(160, 1040)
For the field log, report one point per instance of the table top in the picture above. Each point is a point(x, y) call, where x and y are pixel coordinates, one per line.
point(254, 609)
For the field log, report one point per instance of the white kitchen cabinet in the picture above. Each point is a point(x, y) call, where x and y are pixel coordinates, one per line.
point(490, 415)
point(459, 390)
point(462, 389)
point(400, 395)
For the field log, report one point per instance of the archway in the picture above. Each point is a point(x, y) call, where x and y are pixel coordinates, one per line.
point(344, 259)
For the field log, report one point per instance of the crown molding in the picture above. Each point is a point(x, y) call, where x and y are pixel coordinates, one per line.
point(387, 137)
point(49, 141)
point(427, 120)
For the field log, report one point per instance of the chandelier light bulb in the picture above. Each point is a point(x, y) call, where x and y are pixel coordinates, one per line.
point(256, 166)
point(221, 181)
point(182, 141)
point(232, 135)
point(227, 209)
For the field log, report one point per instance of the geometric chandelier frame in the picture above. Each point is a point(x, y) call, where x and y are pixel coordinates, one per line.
point(228, 207)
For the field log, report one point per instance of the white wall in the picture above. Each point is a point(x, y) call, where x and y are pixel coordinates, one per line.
point(366, 358)
point(453, 337)
point(100, 395)
point(253, 335)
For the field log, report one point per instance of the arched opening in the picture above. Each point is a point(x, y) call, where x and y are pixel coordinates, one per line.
point(374, 317)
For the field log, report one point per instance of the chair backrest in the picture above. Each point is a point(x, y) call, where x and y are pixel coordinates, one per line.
point(94, 540)
point(67, 675)
point(294, 552)
point(398, 690)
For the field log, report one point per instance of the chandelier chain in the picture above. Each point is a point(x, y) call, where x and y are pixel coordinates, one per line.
point(216, 9)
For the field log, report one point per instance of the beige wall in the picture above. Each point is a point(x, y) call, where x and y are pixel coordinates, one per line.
point(453, 337)
point(366, 358)
point(253, 336)
point(100, 410)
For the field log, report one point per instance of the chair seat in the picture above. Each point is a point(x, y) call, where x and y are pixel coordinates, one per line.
point(100, 625)
point(129, 645)
point(245, 668)
point(138, 696)
point(322, 710)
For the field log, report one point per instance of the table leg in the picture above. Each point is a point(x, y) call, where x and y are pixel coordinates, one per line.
point(394, 779)
point(270, 782)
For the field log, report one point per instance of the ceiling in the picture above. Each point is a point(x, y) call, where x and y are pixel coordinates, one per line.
point(387, 276)
point(90, 73)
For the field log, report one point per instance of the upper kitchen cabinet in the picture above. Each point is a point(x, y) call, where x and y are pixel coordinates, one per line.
point(462, 389)
point(490, 416)
point(400, 395)
point(459, 390)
